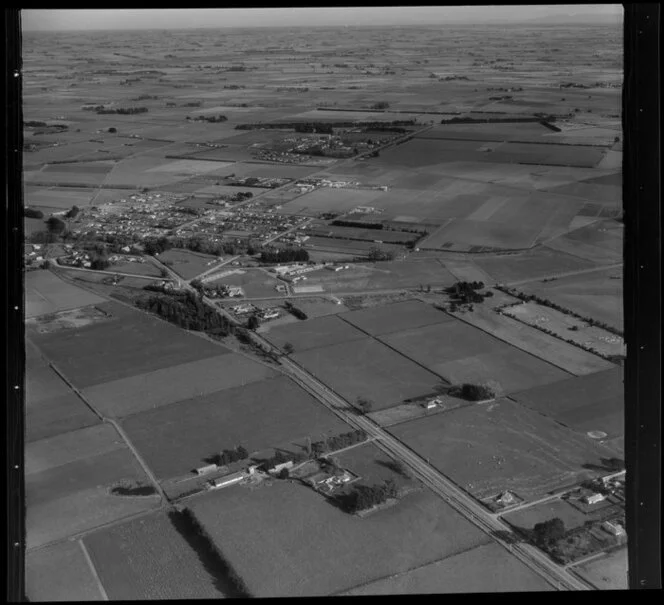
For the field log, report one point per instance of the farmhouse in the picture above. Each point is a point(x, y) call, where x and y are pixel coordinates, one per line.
point(232, 479)
point(614, 528)
point(594, 498)
point(204, 470)
point(279, 467)
point(432, 403)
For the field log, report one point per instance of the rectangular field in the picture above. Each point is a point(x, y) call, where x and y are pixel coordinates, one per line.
point(595, 402)
point(68, 480)
point(45, 293)
point(314, 333)
point(133, 343)
point(396, 317)
point(526, 518)
point(608, 572)
point(185, 263)
point(489, 448)
point(176, 438)
point(461, 353)
point(60, 573)
point(147, 559)
point(488, 568)
point(176, 383)
point(367, 368)
point(332, 550)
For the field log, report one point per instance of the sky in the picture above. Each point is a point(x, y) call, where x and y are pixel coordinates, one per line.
point(108, 19)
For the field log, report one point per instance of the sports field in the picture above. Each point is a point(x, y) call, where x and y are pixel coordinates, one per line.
point(367, 368)
point(461, 353)
point(60, 573)
point(500, 572)
point(595, 402)
point(134, 343)
point(187, 264)
point(499, 446)
point(47, 293)
point(176, 438)
point(161, 387)
point(147, 559)
point(332, 550)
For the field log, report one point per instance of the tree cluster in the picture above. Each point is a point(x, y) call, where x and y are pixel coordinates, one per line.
point(358, 224)
point(73, 212)
point(546, 533)
point(284, 255)
point(466, 292)
point(229, 456)
point(211, 119)
point(125, 111)
point(476, 392)
point(326, 127)
point(363, 497)
point(156, 245)
point(278, 458)
point(376, 254)
point(380, 105)
point(299, 313)
point(186, 311)
point(337, 442)
point(56, 225)
point(32, 213)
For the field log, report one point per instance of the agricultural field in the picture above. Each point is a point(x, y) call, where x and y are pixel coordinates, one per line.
point(458, 353)
point(608, 572)
point(488, 568)
point(314, 333)
point(147, 558)
point(68, 477)
point(147, 268)
point(597, 295)
point(134, 343)
point(187, 264)
point(367, 368)
point(600, 242)
point(490, 448)
point(60, 573)
point(396, 317)
point(567, 327)
point(527, 518)
point(46, 293)
point(591, 403)
point(328, 199)
point(161, 387)
point(256, 283)
point(265, 414)
point(332, 550)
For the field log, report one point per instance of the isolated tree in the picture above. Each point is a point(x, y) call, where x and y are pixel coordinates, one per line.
point(112, 130)
point(32, 213)
point(288, 348)
point(55, 225)
point(253, 322)
point(283, 474)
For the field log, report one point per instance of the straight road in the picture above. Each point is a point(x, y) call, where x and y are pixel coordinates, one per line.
point(566, 274)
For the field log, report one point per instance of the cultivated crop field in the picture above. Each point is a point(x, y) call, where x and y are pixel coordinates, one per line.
point(161, 387)
point(60, 573)
point(489, 448)
point(326, 199)
point(608, 572)
point(396, 317)
point(332, 550)
point(147, 558)
point(176, 438)
point(461, 353)
point(314, 333)
point(367, 368)
point(595, 402)
point(134, 343)
point(67, 483)
point(488, 568)
point(45, 293)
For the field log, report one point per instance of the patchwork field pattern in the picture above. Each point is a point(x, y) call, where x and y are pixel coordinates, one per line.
point(147, 558)
point(499, 446)
point(60, 573)
point(176, 383)
point(134, 343)
point(315, 333)
point(500, 572)
point(176, 438)
point(45, 293)
point(367, 368)
point(332, 550)
point(461, 353)
point(595, 402)
point(68, 478)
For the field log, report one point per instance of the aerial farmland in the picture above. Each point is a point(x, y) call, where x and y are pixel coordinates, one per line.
point(316, 311)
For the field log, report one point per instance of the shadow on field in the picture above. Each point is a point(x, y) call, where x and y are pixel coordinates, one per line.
point(517, 536)
point(606, 464)
point(395, 466)
point(226, 580)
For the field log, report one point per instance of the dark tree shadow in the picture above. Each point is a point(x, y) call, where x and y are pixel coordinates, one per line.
point(395, 466)
point(606, 464)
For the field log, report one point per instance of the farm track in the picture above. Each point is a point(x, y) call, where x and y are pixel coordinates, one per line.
point(93, 570)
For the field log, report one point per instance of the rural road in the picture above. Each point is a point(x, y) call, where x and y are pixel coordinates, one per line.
point(566, 274)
